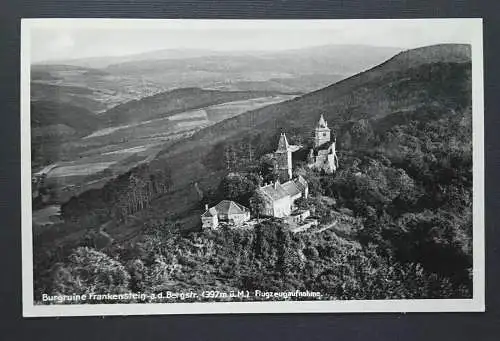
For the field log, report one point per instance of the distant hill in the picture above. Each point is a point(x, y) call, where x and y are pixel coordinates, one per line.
point(216, 69)
point(77, 96)
point(53, 124)
point(115, 80)
point(301, 84)
point(344, 59)
point(92, 89)
point(410, 85)
point(49, 113)
point(172, 102)
point(342, 52)
point(105, 61)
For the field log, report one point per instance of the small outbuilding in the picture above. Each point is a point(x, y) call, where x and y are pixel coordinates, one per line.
point(226, 211)
point(209, 219)
point(232, 212)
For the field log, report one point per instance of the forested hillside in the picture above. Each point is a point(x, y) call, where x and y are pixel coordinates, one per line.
point(46, 113)
point(54, 123)
point(79, 96)
point(172, 102)
point(402, 195)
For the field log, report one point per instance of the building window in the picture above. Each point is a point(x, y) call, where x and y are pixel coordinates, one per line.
point(324, 134)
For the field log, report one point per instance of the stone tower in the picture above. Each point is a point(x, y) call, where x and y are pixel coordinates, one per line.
point(283, 156)
point(321, 133)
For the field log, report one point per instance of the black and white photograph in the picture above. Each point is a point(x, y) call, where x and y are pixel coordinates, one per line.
point(251, 166)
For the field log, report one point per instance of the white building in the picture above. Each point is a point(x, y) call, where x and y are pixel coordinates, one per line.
point(209, 219)
point(226, 211)
point(279, 198)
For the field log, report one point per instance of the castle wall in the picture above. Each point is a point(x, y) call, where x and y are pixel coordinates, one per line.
point(282, 208)
point(238, 219)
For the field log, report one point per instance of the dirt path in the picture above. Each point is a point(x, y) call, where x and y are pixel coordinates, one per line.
point(324, 228)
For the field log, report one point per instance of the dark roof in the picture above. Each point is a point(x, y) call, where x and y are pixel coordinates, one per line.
point(301, 183)
point(275, 191)
point(230, 207)
point(295, 186)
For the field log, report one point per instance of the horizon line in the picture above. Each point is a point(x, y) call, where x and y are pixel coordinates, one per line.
point(221, 52)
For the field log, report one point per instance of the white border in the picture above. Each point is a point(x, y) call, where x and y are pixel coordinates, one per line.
point(476, 304)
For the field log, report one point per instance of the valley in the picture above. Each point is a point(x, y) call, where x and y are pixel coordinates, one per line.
point(103, 154)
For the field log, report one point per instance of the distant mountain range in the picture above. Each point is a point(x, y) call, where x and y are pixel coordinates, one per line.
point(218, 70)
point(341, 51)
point(118, 79)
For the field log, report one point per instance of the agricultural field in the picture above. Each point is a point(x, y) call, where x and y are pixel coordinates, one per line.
point(224, 111)
point(108, 152)
point(80, 170)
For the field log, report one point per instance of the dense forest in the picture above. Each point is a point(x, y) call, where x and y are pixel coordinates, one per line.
point(401, 201)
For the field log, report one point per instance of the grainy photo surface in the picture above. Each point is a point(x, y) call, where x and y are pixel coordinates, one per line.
point(192, 166)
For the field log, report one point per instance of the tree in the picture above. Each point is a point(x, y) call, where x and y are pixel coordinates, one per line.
point(269, 169)
point(90, 271)
point(237, 187)
point(156, 275)
point(257, 204)
point(230, 157)
point(362, 132)
point(346, 141)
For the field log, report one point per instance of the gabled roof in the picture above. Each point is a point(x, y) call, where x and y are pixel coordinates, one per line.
point(291, 188)
point(295, 186)
point(274, 191)
point(301, 183)
point(230, 207)
point(322, 123)
point(211, 212)
point(283, 143)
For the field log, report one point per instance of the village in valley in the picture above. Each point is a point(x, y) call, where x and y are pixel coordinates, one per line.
point(278, 199)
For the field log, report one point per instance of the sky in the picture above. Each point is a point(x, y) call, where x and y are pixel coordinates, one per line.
point(59, 39)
